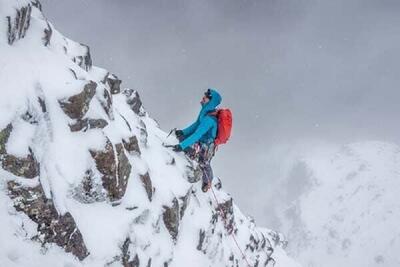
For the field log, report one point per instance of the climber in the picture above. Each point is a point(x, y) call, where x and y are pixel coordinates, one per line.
point(201, 135)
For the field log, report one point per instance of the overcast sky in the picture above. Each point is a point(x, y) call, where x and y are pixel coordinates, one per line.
point(290, 70)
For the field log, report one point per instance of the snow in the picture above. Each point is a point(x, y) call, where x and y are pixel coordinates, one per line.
point(16, 248)
point(349, 216)
point(29, 70)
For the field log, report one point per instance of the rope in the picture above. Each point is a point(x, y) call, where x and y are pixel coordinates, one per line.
point(230, 232)
point(223, 215)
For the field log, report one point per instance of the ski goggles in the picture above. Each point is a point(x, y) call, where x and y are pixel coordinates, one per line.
point(208, 94)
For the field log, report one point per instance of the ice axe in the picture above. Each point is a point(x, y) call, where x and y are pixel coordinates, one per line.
point(168, 146)
point(173, 130)
point(170, 132)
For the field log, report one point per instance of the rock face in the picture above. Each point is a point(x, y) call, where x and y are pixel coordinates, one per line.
point(133, 100)
point(126, 257)
point(90, 190)
point(115, 173)
point(226, 212)
point(19, 23)
point(114, 83)
point(171, 218)
point(146, 181)
point(53, 228)
point(85, 60)
point(26, 167)
point(132, 145)
point(4, 136)
point(87, 173)
point(193, 172)
point(48, 32)
point(76, 106)
point(185, 202)
point(85, 124)
point(123, 169)
point(37, 4)
point(106, 103)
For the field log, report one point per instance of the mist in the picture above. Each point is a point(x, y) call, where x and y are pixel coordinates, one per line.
point(294, 72)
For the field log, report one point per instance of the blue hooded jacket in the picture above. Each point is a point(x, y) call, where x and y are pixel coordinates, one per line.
point(204, 129)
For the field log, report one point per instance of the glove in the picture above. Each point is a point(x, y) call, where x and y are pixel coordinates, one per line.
point(177, 148)
point(179, 135)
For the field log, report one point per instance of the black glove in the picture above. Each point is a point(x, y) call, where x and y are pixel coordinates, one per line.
point(179, 135)
point(177, 148)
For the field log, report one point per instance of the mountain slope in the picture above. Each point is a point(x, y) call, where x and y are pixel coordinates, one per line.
point(348, 213)
point(85, 179)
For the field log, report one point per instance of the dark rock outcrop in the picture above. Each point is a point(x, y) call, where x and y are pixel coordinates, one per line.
point(258, 244)
point(143, 132)
point(133, 100)
point(193, 173)
point(29, 118)
point(106, 103)
point(85, 124)
point(114, 83)
point(73, 72)
point(202, 236)
point(76, 106)
point(4, 135)
point(52, 227)
point(27, 167)
point(126, 257)
point(147, 184)
point(115, 174)
point(185, 201)
point(48, 32)
point(226, 212)
point(171, 219)
point(42, 104)
point(218, 184)
point(90, 190)
point(37, 4)
point(18, 25)
point(127, 260)
point(85, 60)
point(132, 145)
point(123, 169)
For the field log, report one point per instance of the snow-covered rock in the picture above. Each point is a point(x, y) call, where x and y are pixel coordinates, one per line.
point(85, 179)
point(347, 212)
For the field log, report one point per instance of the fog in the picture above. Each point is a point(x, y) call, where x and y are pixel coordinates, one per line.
point(291, 70)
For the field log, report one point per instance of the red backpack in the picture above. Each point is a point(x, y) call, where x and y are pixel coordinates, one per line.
point(224, 120)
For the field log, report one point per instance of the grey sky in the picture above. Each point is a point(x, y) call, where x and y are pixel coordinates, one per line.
point(290, 70)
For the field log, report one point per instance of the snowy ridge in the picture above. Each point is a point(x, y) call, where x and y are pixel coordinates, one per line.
point(85, 178)
point(349, 213)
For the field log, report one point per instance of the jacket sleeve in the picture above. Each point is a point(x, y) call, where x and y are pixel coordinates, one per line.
point(204, 126)
point(191, 128)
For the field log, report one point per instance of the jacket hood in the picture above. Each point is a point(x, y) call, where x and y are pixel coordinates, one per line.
point(212, 104)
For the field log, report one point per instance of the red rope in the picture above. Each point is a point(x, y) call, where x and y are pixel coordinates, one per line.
point(229, 231)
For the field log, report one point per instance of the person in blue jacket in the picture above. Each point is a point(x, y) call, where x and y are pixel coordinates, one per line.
point(201, 134)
